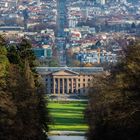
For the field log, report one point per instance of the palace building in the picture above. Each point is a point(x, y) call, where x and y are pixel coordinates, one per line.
point(61, 80)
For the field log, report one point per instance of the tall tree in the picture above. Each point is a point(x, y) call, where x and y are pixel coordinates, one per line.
point(114, 106)
point(23, 108)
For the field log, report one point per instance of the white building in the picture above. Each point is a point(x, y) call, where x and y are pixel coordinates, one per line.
point(72, 22)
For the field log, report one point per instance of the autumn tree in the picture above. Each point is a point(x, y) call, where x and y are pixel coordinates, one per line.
point(23, 106)
point(114, 105)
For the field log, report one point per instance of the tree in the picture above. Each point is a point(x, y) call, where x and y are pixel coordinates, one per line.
point(53, 63)
point(114, 105)
point(7, 107)
point(4, 63)
point(21, 52)
point(23, 107)
point(13, 55)
point(26, 53)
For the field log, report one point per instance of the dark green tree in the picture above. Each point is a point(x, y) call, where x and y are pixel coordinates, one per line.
point(21, 52)
point(13, 55)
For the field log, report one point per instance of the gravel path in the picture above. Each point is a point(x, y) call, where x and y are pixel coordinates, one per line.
point(67, 138)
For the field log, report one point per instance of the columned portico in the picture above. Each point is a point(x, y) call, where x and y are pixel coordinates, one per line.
point(60, 88)
point(66, 82)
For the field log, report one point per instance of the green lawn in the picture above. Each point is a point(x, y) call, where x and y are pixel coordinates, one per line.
point(67, 116)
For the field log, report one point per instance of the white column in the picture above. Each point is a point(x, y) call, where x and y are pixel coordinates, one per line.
point(67, 85)
point(72, 85)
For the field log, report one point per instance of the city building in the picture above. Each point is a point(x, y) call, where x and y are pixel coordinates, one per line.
point(64, 80)
point(12, 29)
point(72, 22)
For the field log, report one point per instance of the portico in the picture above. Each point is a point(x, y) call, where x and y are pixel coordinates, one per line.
point(67, 82)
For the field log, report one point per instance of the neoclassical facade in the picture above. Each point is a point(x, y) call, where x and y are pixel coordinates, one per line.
point(65, 81)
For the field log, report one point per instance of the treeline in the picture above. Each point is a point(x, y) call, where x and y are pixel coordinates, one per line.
point(23, 111)
point(113, 112)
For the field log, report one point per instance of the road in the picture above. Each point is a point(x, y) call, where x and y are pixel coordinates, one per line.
point(61, 37)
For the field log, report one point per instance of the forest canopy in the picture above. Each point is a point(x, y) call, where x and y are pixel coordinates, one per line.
point(23, 111)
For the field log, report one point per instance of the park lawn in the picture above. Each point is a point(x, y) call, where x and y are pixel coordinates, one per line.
point(67, 116)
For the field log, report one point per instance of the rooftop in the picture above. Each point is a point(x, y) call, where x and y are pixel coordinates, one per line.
point(85, 70)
